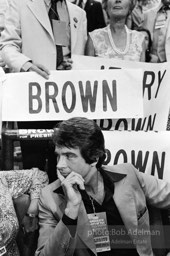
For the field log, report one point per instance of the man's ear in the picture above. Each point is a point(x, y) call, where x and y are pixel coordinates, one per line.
point(95, 162)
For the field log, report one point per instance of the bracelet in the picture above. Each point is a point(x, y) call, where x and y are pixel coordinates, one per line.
point(31, 215)
point(2, 250)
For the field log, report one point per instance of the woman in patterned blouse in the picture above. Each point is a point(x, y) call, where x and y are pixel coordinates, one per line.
point(13, 184)
point(116, 40)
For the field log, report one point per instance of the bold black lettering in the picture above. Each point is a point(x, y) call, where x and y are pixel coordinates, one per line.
point(65, 86)
point(157, 165)
point(35, 97)
point(105, 124)
point(148, 85)
point(151, 123)
point(114, 68)
point(87, 97)
point(118, 154)
point(112, 98)
point(103, 67)
point(108, 157)
point(118, 124)
point(51, 97)
point(159, 81)
point(139, 164)
point(140, 124)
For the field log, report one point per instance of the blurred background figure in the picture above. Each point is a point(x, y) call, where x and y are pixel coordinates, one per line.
point(157, 20)
point(148, 43)
point(104, 6)
point(136, 18)
point(94, 13)
point(116, 40)
point(3, 8)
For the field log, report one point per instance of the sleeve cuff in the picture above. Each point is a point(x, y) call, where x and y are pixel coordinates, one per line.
point(26, 66)
point(70, 223)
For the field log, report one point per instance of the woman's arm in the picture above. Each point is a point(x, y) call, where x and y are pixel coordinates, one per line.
point(89, 50)
point(29, 181)
point(26, 181)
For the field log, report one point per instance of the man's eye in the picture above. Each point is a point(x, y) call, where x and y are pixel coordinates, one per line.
point(69, 156)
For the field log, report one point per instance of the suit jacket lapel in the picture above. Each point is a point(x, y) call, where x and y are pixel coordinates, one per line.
point(38, 8)
point(84, 230)
point(73, 24)
point(124, 199)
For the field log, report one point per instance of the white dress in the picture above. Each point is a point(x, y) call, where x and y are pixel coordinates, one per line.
point(105, 47)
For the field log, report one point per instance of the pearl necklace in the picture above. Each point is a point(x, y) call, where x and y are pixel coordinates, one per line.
point(117, 50)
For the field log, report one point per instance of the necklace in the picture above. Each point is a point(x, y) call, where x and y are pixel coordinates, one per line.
point(99, 197)
point(92, 202)
point(117, 50)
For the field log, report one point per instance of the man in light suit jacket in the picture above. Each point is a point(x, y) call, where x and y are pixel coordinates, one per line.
point(94, 209)
point(157, 20)
point(27, 41)
point(28, 44)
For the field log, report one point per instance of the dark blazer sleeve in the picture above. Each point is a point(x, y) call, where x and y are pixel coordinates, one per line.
point(95, 16)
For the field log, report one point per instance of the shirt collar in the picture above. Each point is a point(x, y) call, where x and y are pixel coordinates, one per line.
point(48, 3)
point(110, 178)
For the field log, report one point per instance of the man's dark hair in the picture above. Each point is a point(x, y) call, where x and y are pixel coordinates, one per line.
point(82, 133)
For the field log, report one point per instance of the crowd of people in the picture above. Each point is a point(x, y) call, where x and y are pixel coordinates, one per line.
point(40, 36)
point(107, 29)
point(29, 41)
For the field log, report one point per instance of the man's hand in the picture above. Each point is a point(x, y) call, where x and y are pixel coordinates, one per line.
point(40, 69)
point(70, 185)
point(2, 63)
point(65, 65)
point(29, 224)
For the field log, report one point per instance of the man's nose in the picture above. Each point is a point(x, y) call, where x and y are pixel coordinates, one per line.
point(61, 163)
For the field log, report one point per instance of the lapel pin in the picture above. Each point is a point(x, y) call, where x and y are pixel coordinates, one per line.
point(75, 19)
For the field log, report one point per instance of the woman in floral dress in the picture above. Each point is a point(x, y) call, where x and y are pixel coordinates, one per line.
point(116, 40)
point(14, 184)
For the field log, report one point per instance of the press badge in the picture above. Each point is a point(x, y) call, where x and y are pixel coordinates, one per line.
point(161, 21)
point(59, 30)
point(98, 223)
